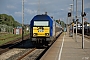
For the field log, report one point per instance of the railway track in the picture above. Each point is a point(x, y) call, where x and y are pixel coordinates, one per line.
point(35, 53)
point(10, 44)
point(32, 55)
point(22, 54)
point(13, 54)
point(21, 57)
point(24, 51)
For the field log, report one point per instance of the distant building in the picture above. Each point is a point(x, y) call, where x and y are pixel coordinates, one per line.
point(17, 30)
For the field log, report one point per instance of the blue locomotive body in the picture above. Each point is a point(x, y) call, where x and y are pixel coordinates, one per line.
point(43, 29)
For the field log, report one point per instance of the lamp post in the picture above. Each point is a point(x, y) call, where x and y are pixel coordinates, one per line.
point(69, 21)
point(82, 24)
point(72, 16)
point(22, 18)
point(76, 20)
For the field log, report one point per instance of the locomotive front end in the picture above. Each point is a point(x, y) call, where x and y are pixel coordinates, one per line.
point(41, 32)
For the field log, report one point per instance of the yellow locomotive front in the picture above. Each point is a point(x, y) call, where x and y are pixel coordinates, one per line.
point(41, 32)
point(41, 29)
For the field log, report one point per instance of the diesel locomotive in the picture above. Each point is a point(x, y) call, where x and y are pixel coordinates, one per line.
point(43, 29)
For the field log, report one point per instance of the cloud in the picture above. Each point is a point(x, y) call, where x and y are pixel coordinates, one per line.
point(11, 7)
point(55, 8)
point(33, 3)
point(29, 11)
point(62, 9)
point(19, 14)
point(30, 2)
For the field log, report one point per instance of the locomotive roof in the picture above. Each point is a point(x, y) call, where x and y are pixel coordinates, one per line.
point(42, 17)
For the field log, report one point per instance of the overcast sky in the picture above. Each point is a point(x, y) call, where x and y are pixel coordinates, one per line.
point(56, 8)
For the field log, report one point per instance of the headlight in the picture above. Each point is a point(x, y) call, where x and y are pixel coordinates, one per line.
point(35, 34)
point(46, 34)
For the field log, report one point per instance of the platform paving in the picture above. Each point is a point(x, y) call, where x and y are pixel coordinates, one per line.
point(67, 48)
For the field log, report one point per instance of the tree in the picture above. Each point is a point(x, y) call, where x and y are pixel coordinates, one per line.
point(8, 20)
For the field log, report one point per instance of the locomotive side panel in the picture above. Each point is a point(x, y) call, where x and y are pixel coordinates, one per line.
point(58, 29)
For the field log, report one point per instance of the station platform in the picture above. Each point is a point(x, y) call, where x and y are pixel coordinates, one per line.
point(68, 48)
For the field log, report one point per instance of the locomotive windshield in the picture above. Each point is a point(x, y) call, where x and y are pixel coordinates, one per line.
point(41, 23)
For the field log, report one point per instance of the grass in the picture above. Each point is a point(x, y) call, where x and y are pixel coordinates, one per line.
point(4, 38)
